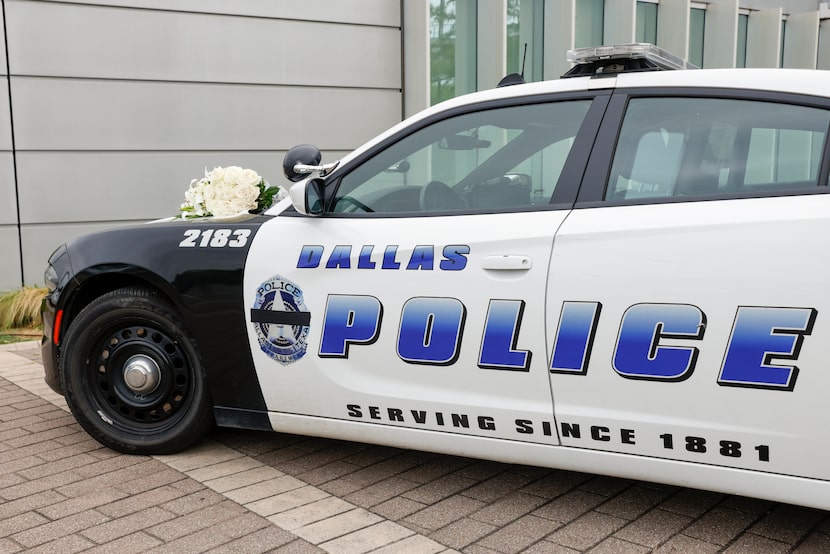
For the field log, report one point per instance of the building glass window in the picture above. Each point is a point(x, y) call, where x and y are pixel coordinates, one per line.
point(740, 55)
point(697, 25)
point(452, 39)
point(590, 15)
point(525, 26)
point(646, 22)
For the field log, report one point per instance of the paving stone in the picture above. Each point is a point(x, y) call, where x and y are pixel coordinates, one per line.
point(752, 544)
point(205, 454)
point(188, 503)
point(692, 502)
point(248, 478)
point(367, 539)
point(268, 539)
point(653, 528)
point(337, 526)
point(497, 486)
point(587, 531)
point(127, 525)
point(8, 546)
point(328, 472)
point(570, 506)
point(555, 483)
point(682, 544)
point(547, 547)
point(607, 486)
point(130, 544)
point(519, 535)
point(51, 468)
point(613, 545)
point(340, 487)
point(29, 503)
point(287, 500)
point(632, 502)
point(440, 488)
point(815, 543)
point(788, 524)
point(20, 523)
point(224, 469)
point(445, 512)
point(508, 508)
point(141, 501)
point(39, 485)
point(398, 508)
point(63, 545)
point(719, 525)
point(310, 513)
point(380, 492)
point(81, 503)
point(463, 532)
point(59, 528)
point(415, 544)
point(196, 521)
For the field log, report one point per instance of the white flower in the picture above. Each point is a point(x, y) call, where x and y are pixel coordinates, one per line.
point(226, 191)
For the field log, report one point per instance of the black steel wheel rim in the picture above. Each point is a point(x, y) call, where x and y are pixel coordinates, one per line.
point(120, 356)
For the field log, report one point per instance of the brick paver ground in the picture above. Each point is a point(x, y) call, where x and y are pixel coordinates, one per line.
point(242, 491)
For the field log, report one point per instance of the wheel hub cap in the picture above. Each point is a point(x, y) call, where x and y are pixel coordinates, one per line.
point(142, 374)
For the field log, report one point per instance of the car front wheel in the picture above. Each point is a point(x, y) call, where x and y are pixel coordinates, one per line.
point(132, 375)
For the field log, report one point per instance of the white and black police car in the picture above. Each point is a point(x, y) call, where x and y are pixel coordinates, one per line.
point(622, 272)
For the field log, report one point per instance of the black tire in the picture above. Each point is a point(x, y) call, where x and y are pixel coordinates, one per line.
point(132, 375)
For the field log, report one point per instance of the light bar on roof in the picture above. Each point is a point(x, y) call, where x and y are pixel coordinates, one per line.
point(637, 50)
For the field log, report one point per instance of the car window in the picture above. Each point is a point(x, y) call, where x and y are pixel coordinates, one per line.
point(697, 146)
point(495, 159)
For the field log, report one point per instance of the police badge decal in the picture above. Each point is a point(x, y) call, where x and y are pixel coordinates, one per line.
point(281, 320)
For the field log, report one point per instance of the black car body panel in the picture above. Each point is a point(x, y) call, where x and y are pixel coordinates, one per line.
point(202, 282)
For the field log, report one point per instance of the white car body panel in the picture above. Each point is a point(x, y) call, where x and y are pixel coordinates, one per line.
point(739, 276)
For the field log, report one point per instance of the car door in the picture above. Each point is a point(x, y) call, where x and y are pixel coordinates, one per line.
point(687, 304)
point(417, 299)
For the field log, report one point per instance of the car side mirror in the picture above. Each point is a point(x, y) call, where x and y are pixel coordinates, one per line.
point(303, 160)
point(308, 196)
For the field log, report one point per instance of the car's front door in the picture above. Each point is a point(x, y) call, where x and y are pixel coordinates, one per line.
point(418, 299)
point(687, 304)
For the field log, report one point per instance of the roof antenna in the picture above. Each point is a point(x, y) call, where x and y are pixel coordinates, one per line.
point(515, 78)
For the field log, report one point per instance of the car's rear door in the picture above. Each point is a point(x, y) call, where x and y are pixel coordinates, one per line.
point(417, 301)
point(687, 304)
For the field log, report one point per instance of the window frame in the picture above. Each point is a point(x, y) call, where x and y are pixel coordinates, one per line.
point(568, 185)
point(598, 171)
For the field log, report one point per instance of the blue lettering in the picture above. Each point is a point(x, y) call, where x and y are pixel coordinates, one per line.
point(430, 331)
point(501, 333)
point(639, 355)
point(340, 257)
point(575, 337)
point(389, 261)
point(422, 258)
point(349, 320)
point(310, 256)
point(455, 257)
point(365, 259)
point(760, 335)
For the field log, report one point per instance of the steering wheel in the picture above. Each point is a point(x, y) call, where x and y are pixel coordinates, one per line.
point(436, 195)
point(356, 203)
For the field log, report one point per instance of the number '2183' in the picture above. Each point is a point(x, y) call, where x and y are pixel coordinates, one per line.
point(215, 238)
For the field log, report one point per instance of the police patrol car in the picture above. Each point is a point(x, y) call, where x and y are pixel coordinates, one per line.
point(620, 272)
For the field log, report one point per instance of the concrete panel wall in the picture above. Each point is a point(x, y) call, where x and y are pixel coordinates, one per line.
point(118, 104)
point(10, 276)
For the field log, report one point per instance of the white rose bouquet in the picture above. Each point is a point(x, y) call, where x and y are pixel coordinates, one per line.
point(227, 191)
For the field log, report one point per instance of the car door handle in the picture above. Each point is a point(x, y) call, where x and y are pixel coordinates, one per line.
point(506, 262)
